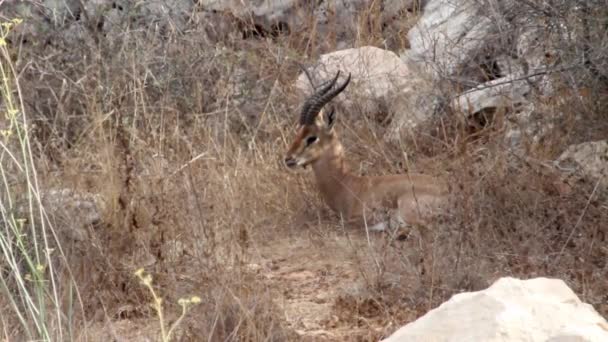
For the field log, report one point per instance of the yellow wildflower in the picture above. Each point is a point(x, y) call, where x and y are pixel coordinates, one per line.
point(139, 272)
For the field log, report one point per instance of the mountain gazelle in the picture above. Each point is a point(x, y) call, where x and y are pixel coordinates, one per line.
point(375, 200)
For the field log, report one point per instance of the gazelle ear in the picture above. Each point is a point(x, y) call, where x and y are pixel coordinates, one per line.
point(330, 117)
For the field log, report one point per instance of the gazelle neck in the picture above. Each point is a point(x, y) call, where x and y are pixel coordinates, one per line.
point(331, 164)
point(333, 177)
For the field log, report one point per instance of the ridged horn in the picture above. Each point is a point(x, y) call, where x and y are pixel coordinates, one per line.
point(316, 103)
point(305, 117)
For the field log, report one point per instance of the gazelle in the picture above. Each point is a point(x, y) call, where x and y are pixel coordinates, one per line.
point(378, 200)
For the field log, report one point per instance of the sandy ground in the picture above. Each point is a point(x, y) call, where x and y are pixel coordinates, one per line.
point(321, 279)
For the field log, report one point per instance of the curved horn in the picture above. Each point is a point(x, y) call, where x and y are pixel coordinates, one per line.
point(319, 101)
point(314, 98)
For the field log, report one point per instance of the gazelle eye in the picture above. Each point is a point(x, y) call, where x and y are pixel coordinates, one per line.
point(310, 140)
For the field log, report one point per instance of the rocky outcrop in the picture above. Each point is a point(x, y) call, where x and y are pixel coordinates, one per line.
point(512, 310)
point(463, 37)
point(497, 58)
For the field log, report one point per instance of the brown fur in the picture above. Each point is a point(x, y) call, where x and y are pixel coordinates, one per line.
point(412, 196)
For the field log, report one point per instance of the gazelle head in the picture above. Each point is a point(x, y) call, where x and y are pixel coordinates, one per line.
point(315, 132)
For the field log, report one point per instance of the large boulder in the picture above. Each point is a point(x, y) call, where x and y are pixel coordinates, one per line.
point(512, 310)
point(380, 83)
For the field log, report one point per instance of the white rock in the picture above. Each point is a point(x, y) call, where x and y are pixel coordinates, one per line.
point(379, 81)
point(501, 92)
point(525, 126)
point(375, 72)
point(511, 310)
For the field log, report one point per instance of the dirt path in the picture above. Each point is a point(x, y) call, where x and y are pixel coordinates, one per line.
point(322, 284)
point(320, 279)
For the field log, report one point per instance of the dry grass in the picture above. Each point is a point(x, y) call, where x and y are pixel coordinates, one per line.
point(183, 137)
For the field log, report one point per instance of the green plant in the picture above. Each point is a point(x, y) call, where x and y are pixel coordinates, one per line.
point(31, 254)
